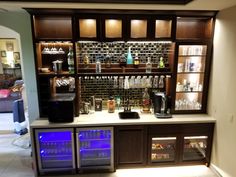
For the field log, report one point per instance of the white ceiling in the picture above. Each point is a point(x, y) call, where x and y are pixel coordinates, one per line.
point(194, 5)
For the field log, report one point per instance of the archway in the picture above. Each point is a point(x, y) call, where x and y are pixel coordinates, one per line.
point(10, 49)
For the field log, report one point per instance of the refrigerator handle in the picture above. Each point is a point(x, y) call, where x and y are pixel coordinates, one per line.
point(78, 149)
point(73, 148)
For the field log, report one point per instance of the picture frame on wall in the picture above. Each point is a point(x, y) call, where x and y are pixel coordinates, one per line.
point(3, 53)
point(16, 55)
point(9, 46)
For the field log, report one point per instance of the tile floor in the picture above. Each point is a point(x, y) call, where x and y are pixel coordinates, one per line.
point(15, 161)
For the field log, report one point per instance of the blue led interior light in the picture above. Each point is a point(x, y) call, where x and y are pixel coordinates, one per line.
point(55, 145)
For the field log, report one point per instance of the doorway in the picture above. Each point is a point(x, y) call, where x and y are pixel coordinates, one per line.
point(11, 78)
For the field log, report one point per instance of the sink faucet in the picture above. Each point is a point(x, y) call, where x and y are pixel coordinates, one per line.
point(127, 107)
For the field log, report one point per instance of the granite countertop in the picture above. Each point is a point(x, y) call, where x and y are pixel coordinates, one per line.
point(104, 118)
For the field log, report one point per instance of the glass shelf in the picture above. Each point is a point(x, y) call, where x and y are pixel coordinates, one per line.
point(190, 77)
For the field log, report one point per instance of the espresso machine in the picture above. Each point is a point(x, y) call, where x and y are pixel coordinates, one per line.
point(160, 105)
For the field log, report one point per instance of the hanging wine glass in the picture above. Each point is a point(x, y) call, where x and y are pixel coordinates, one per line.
point(46, 49)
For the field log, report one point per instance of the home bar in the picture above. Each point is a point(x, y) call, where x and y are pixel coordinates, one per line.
point(121, 89)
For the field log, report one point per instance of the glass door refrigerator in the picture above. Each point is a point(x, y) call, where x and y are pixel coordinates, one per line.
point(163, 149)
point(55, 151)
point(191, 78)
point(95, 149)
point(195, 148)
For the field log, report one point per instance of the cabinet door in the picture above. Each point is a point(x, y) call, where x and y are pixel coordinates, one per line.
point(192, 71)
point(163, 29)
point(196, 143)
point(194, 28)
point(95, 148)
point(131, 145)
point(194, 148)
point(55, 150)
point(88, 27)
point(138, 28)
point(53, 27)
point(163, 149)
point(113, 27)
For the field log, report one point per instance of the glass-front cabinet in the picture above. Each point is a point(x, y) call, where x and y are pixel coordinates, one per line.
point(95, 148)
point(195, 148)
point(163, 149)
point(190, 77)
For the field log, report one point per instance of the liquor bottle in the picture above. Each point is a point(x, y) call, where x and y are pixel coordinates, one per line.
point(111, 104)
point(136, 61)
point(149, 66)
point(98, 66)
point(161, 63)
point(70, 61)
point(122, 61)
point(146, 101)
point(86, 61)
point(129, 57)
point(108, 60)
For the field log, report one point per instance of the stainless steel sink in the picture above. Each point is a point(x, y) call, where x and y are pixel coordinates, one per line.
point(128, 115)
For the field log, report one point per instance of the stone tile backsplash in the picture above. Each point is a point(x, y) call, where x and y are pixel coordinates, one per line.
point(95, 50)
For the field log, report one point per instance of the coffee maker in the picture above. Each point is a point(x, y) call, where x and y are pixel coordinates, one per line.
point(160, 105)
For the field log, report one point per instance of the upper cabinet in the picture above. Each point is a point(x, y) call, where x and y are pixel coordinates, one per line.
point(47, 27)
point(194, 28)
point(163, 28)
point(87, 27)
point(138, 28)
point(113, 28)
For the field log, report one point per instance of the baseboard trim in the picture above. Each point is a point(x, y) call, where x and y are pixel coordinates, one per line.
point(212, 167)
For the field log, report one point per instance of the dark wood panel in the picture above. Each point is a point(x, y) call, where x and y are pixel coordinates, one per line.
point(193, 28)
point(53, 27)
point(131, 145)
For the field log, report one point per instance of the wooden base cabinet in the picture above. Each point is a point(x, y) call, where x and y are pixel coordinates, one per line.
point(180, 144)
point(166, 144)
point(130, 146)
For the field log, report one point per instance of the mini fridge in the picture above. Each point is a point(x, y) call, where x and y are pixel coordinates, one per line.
point(55, 151)
point(163, 149)
point(195, 148)
point(95, 150)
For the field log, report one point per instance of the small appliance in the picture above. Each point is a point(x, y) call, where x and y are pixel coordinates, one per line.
point(160, 105)
point(61, 108)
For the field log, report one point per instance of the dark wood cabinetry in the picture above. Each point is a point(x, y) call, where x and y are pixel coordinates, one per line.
point(166, 144)
point(79, 29)
point(180, 144)
point(48, 27)
point(88, 27)
point(194, 28)
point(113, 27)
point(130, 146)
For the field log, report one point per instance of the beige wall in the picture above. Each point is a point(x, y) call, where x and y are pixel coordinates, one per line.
point(222, 97)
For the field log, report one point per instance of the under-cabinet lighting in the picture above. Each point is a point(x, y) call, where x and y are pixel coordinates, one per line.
point(55, 42)
point(114, 42)
point(112, 21)
point(195, 137)
point(165, 138)
point(89, 21)
point(145, 42)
